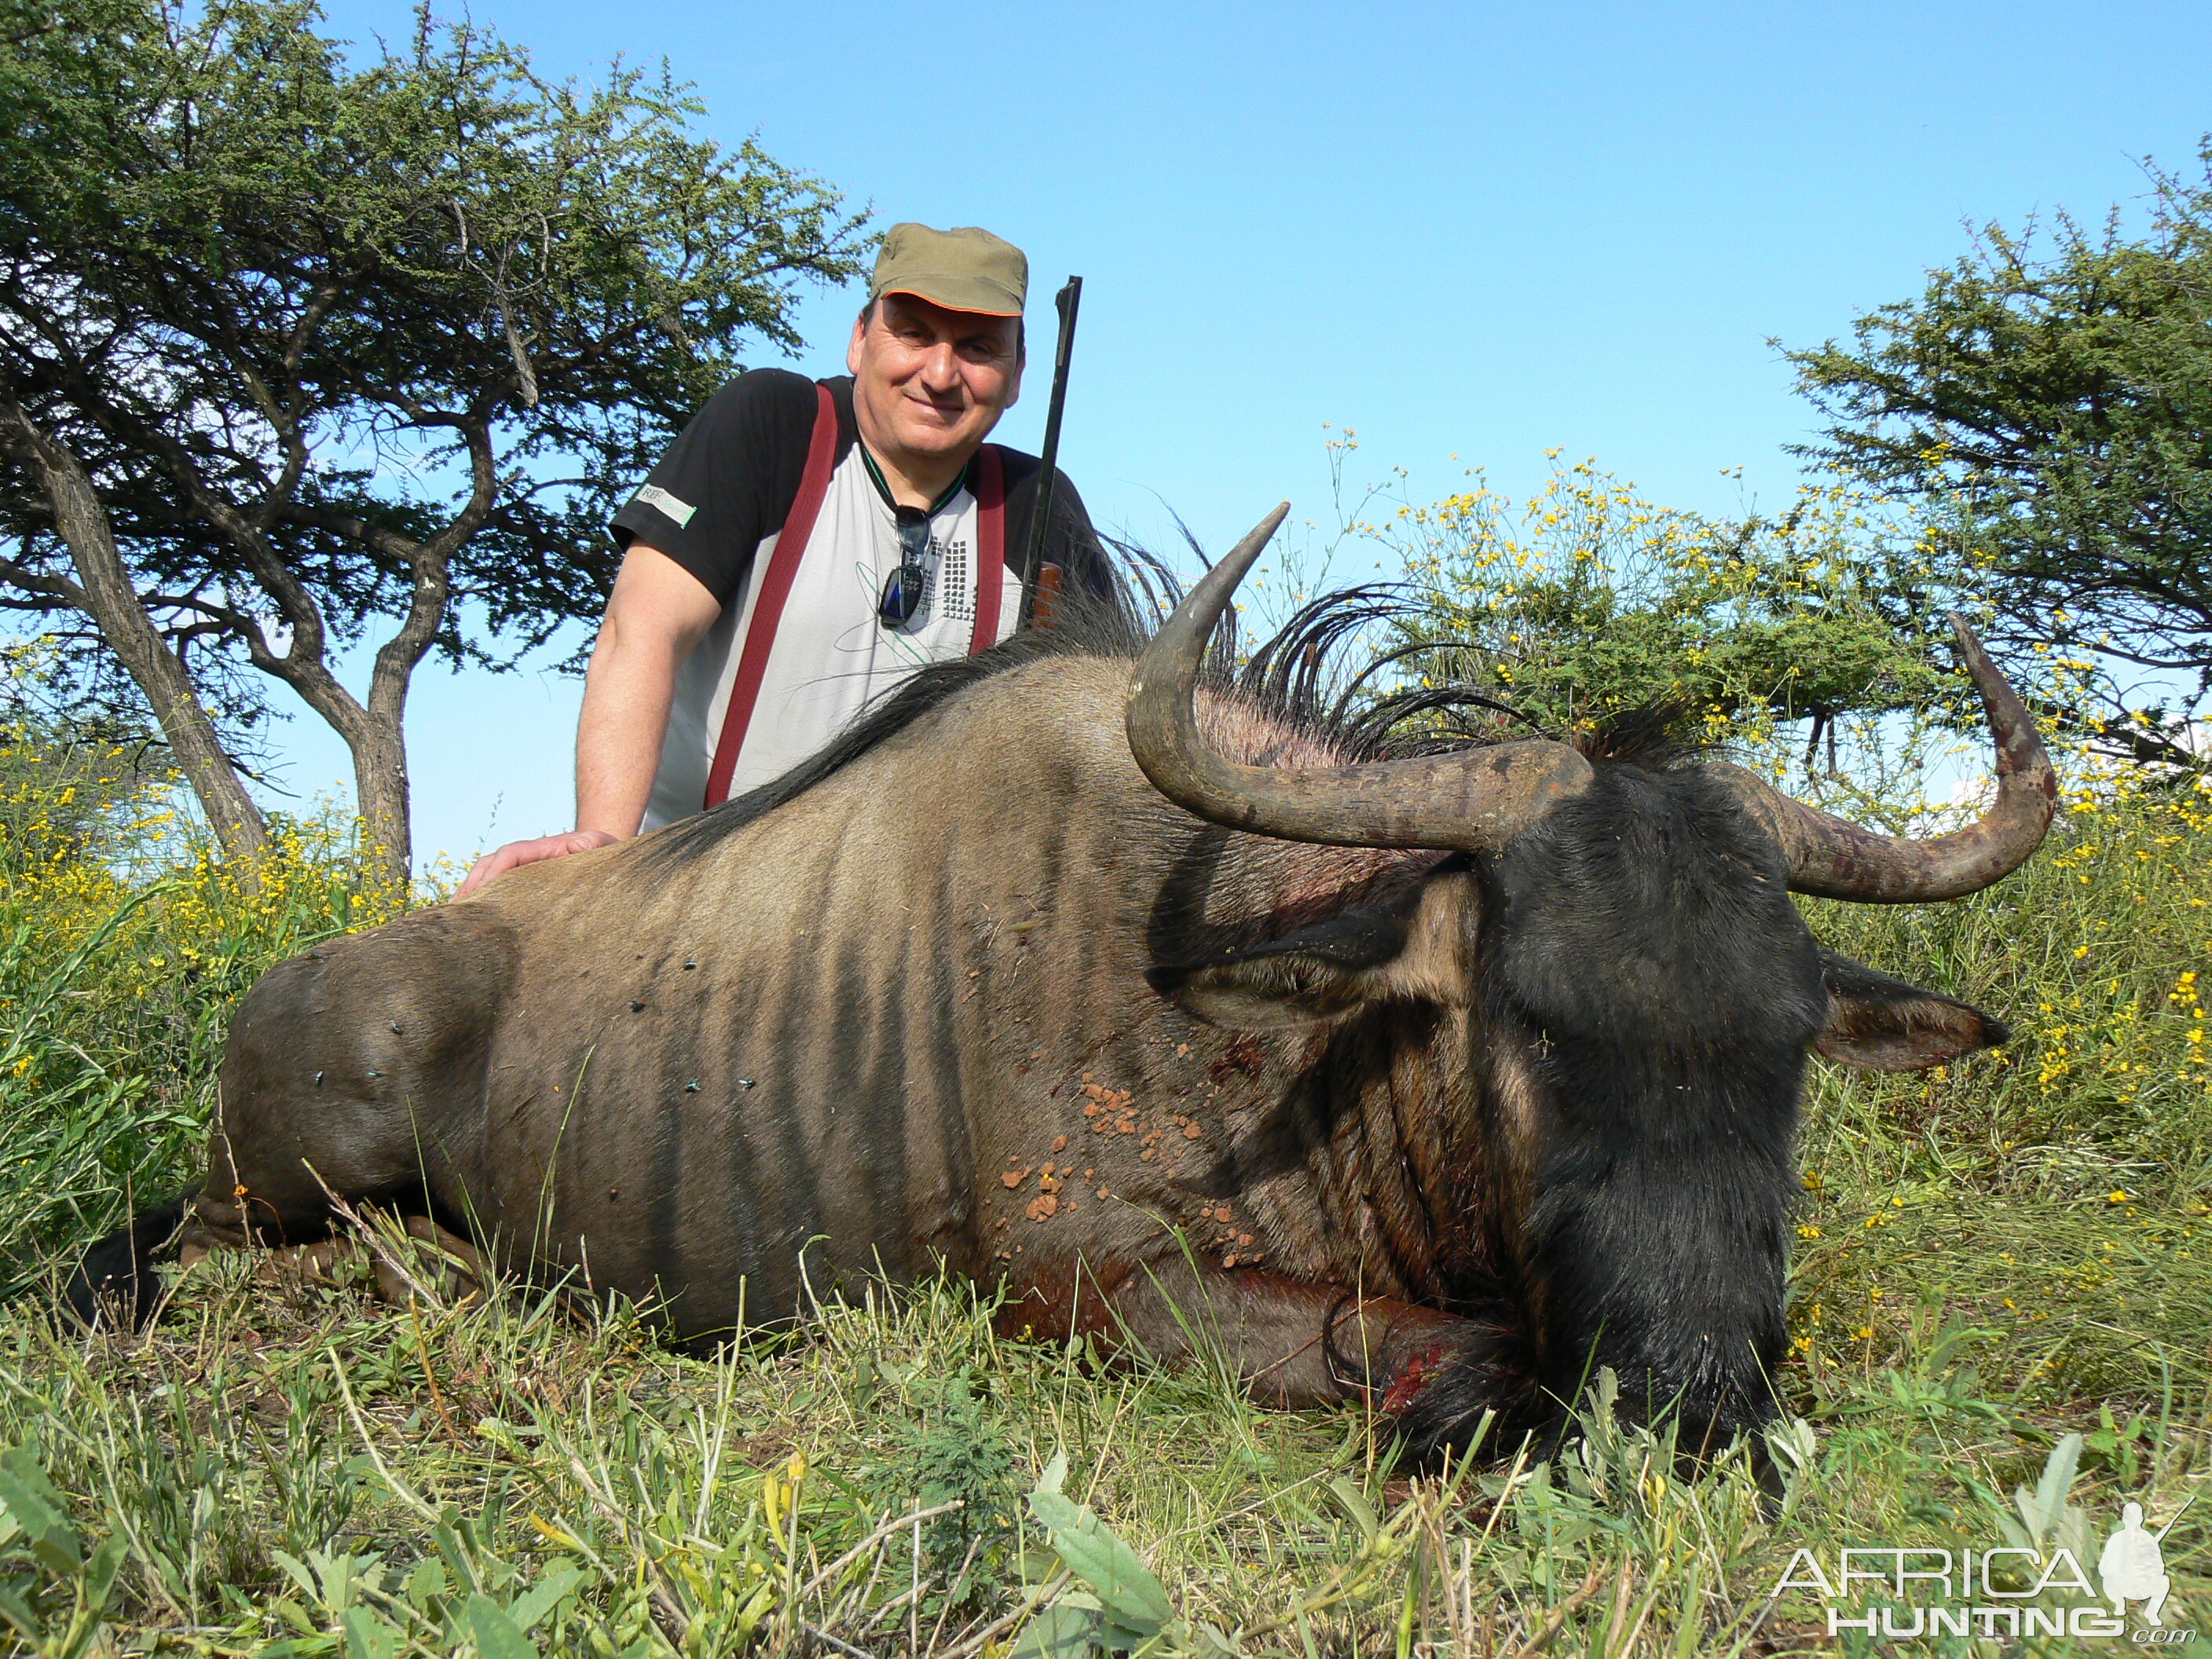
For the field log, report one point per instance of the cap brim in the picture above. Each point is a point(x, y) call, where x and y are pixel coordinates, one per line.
point(951, 299)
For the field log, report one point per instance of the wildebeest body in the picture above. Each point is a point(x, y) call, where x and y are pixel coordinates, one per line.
point(1452, 1125)
point(851, 1024)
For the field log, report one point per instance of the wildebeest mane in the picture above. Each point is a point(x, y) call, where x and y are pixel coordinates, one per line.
point(1298, 676)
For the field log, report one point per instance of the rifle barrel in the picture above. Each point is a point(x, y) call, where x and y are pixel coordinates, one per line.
point(1067, 302)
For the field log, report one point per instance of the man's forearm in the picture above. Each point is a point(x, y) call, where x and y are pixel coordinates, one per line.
point(618, 738)
point(619, 748)
point(656, 617)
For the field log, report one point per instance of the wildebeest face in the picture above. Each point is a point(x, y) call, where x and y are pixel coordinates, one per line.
point(1632, 995)
point(1635, 994)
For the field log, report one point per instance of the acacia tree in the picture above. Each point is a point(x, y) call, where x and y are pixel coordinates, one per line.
point(290, 348)
point(2052, 398)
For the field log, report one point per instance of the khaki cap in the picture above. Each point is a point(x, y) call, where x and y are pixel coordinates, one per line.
point(963, 269)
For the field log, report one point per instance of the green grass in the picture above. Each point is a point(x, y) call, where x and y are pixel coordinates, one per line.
point(1994, 1261)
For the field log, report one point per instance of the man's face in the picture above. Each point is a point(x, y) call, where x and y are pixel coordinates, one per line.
point(929, 382)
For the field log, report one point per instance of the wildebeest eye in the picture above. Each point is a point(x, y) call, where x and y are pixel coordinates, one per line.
point(1312, 974)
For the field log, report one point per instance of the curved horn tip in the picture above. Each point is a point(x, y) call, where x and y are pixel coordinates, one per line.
point(1970, 642)
point(1256, 538)
point(1840, 861)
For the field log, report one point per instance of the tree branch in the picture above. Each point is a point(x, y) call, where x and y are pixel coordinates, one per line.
point(432, 564)
point(390, 544)
point(57, 587)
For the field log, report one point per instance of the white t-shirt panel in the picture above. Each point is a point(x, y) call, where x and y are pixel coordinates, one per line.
point(832, 656)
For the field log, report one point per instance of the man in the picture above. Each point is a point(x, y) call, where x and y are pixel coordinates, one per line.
point(803, 548)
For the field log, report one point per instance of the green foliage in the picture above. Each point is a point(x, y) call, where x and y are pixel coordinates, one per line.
point(220, 217)
point(72, 790)
point(1587, 602)
point(2050, 401)
point(55, 1590)
point(124, 944)
point(954, 1450)
point(74, 774)
point(1122, 1606)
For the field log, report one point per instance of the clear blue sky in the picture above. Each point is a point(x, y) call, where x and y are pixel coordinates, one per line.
point(1478, 231)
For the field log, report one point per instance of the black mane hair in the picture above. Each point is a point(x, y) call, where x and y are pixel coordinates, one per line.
point(1297, 675)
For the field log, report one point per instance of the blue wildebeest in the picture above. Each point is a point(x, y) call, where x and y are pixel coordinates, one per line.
point(1436, 1076)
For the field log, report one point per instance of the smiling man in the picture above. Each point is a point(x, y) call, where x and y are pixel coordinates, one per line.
point(806, 546)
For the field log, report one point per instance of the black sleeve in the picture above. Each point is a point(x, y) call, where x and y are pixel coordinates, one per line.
point(1070, 541)
point(728, 480)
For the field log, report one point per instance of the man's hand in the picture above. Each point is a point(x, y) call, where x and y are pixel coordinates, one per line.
point(530, 852)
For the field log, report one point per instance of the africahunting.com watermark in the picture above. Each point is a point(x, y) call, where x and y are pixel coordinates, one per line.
point(2003, 1593)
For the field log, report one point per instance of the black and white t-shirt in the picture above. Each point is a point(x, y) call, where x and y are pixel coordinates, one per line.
point(717, 504)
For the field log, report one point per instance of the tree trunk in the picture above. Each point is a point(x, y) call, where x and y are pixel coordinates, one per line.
point(112, 602)
point(374, 734)
point(380, 775)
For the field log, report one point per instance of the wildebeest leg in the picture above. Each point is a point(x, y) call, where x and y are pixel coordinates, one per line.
point(1294, 1343)
point(254, 1200)
point(448, 1266)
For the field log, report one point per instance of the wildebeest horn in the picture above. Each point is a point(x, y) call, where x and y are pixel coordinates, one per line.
point(1836, 859)
point(1475, 799)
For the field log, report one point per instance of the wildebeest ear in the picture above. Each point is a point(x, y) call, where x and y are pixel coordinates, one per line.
point(1325, 968)
point(1877, 1023)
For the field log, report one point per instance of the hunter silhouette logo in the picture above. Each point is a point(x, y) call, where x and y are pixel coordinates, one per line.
point(2132, 1568)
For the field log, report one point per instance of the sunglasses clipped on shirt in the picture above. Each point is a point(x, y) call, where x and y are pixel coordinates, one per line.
point(901, 594)
point(903, 589)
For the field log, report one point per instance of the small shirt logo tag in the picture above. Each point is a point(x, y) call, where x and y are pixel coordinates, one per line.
point(679, 511)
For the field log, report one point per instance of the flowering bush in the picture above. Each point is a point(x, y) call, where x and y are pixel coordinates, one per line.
point(123, 943)
point(1587, 601)
point(2092, 952)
